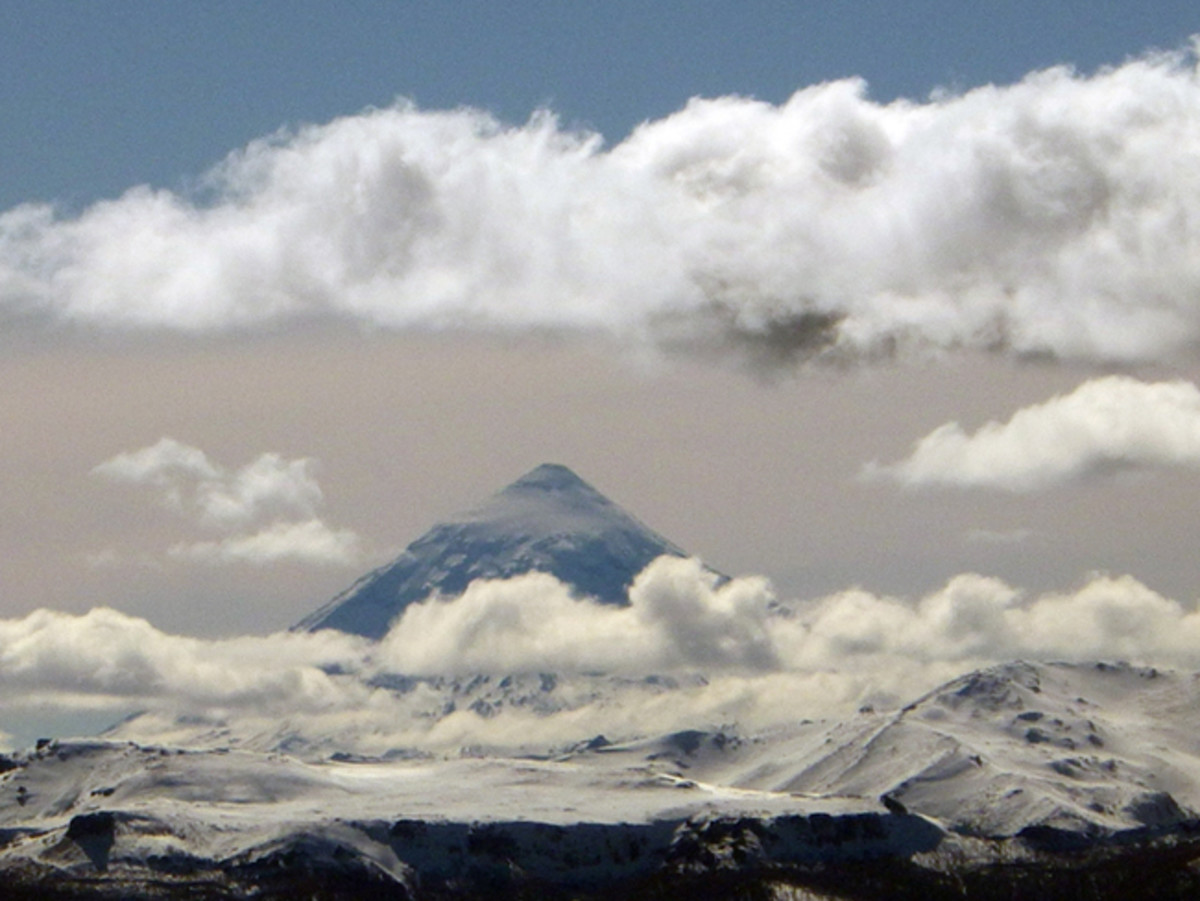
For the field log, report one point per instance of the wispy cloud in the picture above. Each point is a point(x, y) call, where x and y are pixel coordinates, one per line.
point(1108, 423)
point(310, 541)
point(267, 508)
point(1058, 215)
point(169, 466)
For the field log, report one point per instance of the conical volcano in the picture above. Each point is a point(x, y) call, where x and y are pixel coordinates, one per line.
point(549, 520)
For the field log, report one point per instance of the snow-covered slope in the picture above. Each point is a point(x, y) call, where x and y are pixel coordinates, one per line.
point(1019, 769)
point(549, 520)
point(536, 714)
point(1092, 749)
point(151, 822)
point(1068, 749)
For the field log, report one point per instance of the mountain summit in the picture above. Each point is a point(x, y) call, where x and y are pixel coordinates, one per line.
point(549, 520)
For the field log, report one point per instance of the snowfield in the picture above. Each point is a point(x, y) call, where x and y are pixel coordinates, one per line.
point(1017, 769)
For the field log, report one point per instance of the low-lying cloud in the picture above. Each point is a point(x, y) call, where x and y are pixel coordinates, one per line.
point(977, 620)
point(679, 616)
point(727, 653)
point(1058, 215)
point(1105, 424)
point(105, 658)
point(266, 511)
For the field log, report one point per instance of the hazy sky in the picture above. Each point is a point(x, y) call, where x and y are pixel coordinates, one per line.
point(736, 320)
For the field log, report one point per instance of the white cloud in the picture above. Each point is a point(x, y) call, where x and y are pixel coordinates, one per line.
point(276, 499)
point(760, 667)
point(1107, 423)
point(976, 620)
point(310, 541)
point(107, 659)
point(678, 617)
point(269, 483)
point(1056, 215)
point(167, 465)
point(188, 479)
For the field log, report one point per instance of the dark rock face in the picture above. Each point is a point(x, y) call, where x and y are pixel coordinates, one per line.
point(859, 857)
point(548, 521)
point(92, 826)
point(95, 834)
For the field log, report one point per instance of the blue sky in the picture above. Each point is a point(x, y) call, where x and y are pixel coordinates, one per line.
point(98, 97)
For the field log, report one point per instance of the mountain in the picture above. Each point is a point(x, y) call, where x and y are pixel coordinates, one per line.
point(549, 520)
point(1050, 752)
point(119, 820)
point(1058, 754)
point(1023, 780)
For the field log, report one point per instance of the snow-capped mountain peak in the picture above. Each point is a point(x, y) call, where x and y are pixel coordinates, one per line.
point(549, 520)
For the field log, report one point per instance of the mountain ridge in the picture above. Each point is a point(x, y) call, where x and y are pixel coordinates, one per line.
point(1015, 780)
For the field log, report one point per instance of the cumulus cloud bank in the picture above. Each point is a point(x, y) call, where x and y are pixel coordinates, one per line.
point(105, 658)
point(1107, 423)
point(279, 498)
point(680, 617)
point(730, 654)
point(1058, 215)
